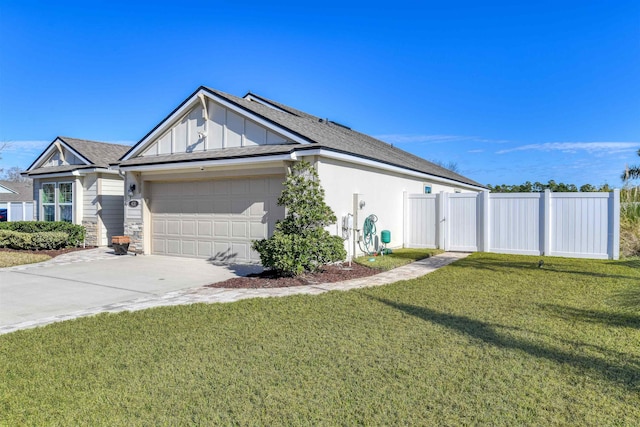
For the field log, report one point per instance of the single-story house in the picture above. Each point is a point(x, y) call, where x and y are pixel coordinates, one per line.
point(205, 181)
point(73, 181)
point(16, 201)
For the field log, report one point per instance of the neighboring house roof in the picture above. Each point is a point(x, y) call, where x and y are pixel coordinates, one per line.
point(93, 154)
point(317, 133)
point(17, 191)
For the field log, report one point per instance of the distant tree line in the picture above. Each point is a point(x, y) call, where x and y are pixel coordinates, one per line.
point(538, 187)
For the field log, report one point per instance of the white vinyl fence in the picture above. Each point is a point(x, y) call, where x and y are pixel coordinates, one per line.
point(16, 211)
point(581, 225)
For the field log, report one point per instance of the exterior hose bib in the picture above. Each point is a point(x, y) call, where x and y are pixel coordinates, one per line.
point(368, 234)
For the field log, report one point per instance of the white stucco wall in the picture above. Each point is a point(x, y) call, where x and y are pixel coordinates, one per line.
point(382, 191)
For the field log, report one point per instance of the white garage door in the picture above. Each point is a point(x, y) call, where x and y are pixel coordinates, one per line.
point(214, 219)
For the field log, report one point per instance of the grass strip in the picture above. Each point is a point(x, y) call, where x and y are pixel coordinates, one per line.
point(398, 258)
point(11, 259)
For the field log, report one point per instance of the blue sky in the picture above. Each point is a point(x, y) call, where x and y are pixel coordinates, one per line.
point(509, 91)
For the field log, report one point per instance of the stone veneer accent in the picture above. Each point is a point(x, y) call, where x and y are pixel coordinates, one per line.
point(91, 234)
point(133, 229)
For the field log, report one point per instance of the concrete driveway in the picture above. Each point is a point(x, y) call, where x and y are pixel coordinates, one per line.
point(87, 279)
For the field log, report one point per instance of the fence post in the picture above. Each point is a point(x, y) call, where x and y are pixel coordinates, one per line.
point(443, 212)
point(546, 222)
point(485, 244)
point(614, 225)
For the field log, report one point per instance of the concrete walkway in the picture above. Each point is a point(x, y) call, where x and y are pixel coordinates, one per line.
point(221, 295)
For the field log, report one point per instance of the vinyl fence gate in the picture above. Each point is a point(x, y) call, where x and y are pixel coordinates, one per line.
point(580, 225)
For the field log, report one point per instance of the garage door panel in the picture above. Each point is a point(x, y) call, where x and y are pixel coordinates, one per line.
point(221, 229)
point(159, 245)
point(173, 227)
point(205, 228)
point(215, 219)
point(257, 208)
point(257, 231)
point(205, 249)
point(188, 248)
point(221, 250)
point(240, 250)
point(173, 247)
point(188, 227)
point(159, 226)
point(239, 229)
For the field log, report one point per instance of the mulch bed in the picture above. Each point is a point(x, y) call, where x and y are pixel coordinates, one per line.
point(268, 279)
point(51, 253)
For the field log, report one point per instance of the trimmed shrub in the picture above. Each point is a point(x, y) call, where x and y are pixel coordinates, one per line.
point(300, 242)
point(33, 241)
point(15, 240)
point(49, 239)
point(75, 233)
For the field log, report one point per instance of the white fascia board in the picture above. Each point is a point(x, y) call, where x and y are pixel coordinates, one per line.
point(190, 103)
point(77, 172)
point(384, 166)
point(208, 163)
point(56, 174)
point(83, 172)
point(8, 189)
point(45, 154)
point(50, 149)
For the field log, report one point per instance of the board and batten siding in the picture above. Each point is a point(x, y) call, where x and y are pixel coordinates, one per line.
point(222, 128)
point(112, 209)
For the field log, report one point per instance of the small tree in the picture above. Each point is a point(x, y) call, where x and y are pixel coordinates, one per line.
point(300, 242)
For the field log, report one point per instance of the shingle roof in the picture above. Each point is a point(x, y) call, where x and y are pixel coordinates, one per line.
point(98, 154)
point(320, 133)
point(23, 191)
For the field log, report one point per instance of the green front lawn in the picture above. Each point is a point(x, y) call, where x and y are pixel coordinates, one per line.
point(491, 339)
point(10, 258)
point(398, 258)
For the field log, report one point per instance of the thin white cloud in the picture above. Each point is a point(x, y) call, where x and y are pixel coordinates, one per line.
point(24, 145)
point(573, 147)
point(476, 151)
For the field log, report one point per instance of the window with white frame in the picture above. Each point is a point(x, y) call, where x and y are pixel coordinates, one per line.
point(65, 201)
point(427, 188)
point(57, 201)
point(49, 201)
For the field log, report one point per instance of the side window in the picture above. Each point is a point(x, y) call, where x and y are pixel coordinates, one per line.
point(65, 201)
point(427, 189)
point(49, 202)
